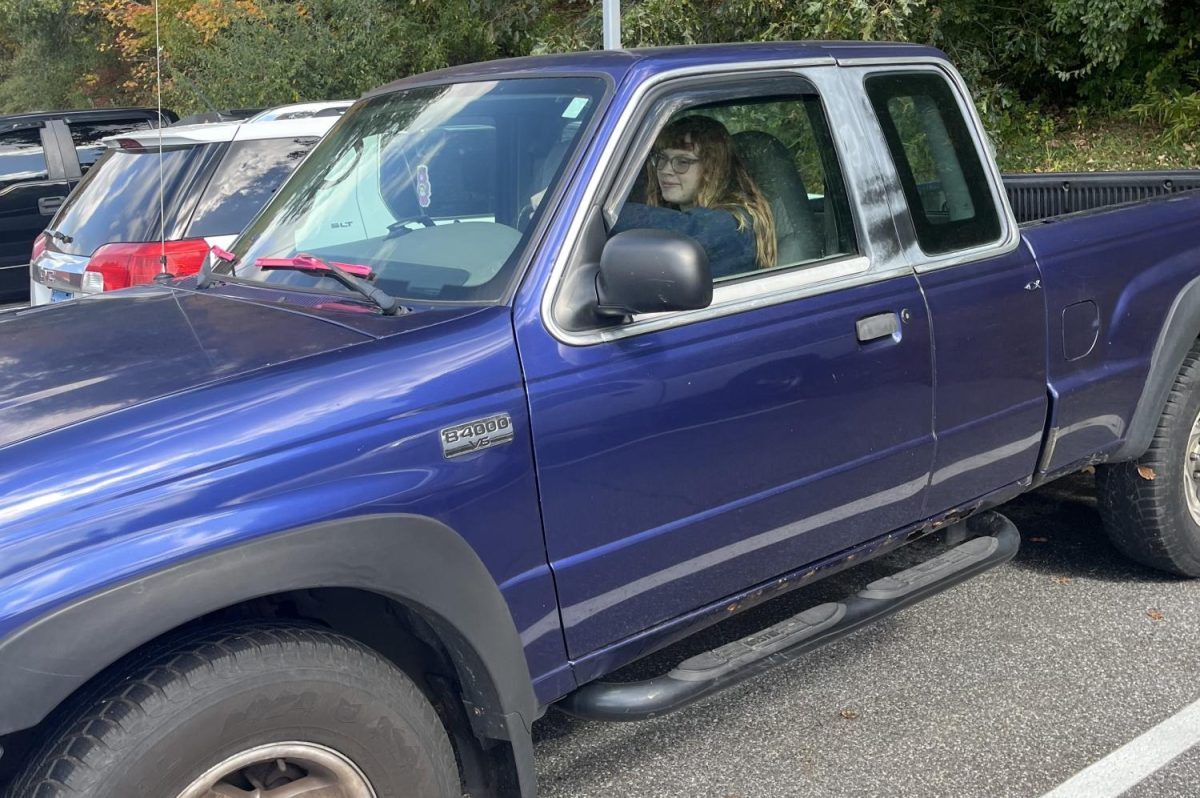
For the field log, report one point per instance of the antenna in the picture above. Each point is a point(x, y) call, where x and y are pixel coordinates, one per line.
point(162, 219)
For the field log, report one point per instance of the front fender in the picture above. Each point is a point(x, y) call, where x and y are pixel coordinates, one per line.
point(411, 558)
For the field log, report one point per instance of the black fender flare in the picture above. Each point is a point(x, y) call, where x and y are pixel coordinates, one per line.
point(1181, 328)
point(411, 558)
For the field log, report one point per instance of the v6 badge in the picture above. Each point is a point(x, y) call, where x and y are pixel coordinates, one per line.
point(475, 435)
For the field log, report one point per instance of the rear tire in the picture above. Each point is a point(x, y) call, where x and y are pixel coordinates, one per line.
point(253, 706)
point(1151, 507)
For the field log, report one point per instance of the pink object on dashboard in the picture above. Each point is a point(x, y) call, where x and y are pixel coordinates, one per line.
point(310, 263)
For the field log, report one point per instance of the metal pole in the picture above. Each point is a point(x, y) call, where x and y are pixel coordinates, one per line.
point(612, 24)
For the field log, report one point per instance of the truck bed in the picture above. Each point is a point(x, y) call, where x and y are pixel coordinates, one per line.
point(1036, 197)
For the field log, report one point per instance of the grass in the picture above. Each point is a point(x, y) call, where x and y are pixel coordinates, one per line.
point(1076, 143)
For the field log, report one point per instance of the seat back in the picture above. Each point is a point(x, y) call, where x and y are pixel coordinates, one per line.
point(798, 235)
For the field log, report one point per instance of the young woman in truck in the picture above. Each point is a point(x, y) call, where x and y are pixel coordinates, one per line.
point(697, 185)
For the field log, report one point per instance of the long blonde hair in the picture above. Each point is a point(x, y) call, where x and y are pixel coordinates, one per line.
point(724, 183)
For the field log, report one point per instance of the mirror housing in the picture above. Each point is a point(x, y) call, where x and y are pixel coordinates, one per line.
point(651, 271)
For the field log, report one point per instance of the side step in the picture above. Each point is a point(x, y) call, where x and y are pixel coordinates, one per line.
point(707, 673)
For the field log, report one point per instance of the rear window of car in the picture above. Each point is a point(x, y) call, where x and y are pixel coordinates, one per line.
point(249, 174)
point(118, 199)
point(21, 156)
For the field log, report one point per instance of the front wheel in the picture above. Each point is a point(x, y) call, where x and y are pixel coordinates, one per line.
point(1151, 507)
point(251, 711)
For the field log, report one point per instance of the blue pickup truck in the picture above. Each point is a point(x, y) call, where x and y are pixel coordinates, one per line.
point(534, 367)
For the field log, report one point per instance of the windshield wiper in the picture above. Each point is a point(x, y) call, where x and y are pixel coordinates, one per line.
point(204, 279)
point(58, 235)
point(345, 273)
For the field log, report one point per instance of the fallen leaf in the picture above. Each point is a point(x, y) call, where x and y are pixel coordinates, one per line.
point(1063, 580)
point(1146, 472)
point(849, 714)
point(1155, 615)
point(1039, 540)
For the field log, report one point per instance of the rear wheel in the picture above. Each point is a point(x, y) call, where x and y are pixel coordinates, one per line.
point(253, 711)
point(1151, 507)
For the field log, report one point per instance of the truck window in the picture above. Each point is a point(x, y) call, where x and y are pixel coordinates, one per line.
point(941, 173)
point(766, 193)
point(86, 137)
point(249, 175)
point(21, 156)
point(942, 177)
point(432, 187)
point(463, 157)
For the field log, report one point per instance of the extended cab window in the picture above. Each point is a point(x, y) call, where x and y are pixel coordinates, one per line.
point(941, 173)
point(755, 181)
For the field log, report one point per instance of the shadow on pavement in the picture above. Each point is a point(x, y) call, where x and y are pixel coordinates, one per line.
point(1061, 534)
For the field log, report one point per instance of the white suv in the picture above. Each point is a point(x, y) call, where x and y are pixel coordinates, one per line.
point(109, 233)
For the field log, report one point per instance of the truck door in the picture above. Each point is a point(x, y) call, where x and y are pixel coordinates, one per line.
point(981, 282)
point(686, 456)
point(33, 185)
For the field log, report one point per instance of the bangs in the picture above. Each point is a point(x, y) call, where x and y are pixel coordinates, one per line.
point(677, 138)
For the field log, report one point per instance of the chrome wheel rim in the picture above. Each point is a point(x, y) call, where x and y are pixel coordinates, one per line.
point(282, 770)
point(1191, 472)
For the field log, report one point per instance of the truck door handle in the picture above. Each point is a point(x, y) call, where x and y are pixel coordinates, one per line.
point(881, 325)
point(47, 206)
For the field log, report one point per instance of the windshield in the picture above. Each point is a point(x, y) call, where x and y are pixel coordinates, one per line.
point(435, 190)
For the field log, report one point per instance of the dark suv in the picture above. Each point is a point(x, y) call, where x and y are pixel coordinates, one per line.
point(42, 157)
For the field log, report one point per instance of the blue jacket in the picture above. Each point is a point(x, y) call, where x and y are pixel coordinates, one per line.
point(730, 251)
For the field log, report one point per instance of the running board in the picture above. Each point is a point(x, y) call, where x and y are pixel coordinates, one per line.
point(707, 673)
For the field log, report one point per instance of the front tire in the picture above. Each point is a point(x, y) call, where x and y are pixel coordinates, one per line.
point(1151, 507)
point(255, 710)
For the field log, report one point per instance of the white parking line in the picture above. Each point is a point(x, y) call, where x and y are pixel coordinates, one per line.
point(1137, 759)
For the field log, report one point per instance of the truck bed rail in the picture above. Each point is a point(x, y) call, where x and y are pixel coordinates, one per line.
point(1042, 196)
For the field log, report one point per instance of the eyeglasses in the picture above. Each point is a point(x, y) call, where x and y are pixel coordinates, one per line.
point(679, 163)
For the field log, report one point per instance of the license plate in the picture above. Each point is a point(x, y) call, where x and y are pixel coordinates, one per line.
point(60, 296)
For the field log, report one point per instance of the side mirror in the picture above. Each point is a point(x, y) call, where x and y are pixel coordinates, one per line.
point(650, 271)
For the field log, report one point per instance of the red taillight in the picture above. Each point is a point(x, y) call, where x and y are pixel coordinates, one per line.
point(39, 246)
point(123, 265)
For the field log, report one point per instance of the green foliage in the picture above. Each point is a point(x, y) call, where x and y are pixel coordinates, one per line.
point(1027, 61)
point(1105, 31)
point(49, 56)
point(323, 48)
point(653, 23)
point(1176, 113)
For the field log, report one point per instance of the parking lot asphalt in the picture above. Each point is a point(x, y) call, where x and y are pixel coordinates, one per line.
point(1006, 685)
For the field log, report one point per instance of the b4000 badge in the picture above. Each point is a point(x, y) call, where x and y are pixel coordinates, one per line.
point(475, 435)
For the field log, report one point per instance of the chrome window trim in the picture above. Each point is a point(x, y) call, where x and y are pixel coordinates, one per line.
point(921, 261)
point(787, 285)
point(755, 292)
